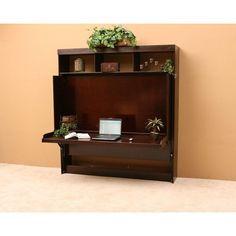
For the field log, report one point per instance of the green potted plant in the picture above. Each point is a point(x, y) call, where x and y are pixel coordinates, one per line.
point(62, 131)
point(154, 126)
point(107, 37)
point(67, 124)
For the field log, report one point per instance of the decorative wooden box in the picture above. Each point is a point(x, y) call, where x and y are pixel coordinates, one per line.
point(110, 67)
point(68, 119)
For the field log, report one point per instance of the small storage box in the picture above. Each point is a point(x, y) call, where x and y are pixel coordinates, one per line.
point(110, 67)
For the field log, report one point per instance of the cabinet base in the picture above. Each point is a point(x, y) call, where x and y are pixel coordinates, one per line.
point(117, 172)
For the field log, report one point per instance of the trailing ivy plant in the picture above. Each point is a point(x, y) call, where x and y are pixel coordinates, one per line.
point(169, 67)
point(107, 37)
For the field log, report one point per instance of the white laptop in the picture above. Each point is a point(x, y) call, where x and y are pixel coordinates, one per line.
point(109, 129)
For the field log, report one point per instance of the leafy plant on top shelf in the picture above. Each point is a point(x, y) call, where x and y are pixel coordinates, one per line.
point(106, 37)
point(154, 125)
point(169, 67)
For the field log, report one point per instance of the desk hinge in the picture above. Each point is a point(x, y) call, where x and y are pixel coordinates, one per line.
point(171, 156)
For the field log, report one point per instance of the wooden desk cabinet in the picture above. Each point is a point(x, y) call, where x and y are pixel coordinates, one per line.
point(130, 94)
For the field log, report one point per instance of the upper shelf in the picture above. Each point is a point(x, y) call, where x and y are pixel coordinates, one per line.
point(115, 73)
point(125, 49)
point(127, 59)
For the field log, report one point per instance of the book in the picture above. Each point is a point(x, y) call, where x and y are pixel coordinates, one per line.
point(82, 136)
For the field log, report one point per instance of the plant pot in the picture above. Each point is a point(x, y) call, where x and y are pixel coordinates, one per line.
point(154, 135)
point(123, 42)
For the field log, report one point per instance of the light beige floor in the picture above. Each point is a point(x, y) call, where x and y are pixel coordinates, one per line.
point(28, 188)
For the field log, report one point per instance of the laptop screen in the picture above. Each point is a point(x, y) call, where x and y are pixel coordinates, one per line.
point(110, 126)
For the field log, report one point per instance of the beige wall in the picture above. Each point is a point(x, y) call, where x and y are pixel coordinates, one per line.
point(207, 111)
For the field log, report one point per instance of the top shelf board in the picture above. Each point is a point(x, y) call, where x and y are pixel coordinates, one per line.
point(146, 48)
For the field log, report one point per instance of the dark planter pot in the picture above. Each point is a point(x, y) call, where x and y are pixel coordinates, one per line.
point(123, 42)
point(154, 135)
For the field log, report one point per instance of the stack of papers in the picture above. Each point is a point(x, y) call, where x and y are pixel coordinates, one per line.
point(78, 135)
point(83, 135)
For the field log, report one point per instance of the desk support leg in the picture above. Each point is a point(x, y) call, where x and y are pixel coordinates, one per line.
point(172, 166)
point(64, 155)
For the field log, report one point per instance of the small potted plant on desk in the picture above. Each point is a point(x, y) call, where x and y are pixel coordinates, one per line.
point(154, 126)
point(67, 124)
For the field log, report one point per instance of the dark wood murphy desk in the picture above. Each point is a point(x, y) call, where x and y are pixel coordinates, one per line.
point(130, 94)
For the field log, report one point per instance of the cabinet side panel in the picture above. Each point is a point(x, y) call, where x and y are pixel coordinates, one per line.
point(176, 111)
point(64, 99)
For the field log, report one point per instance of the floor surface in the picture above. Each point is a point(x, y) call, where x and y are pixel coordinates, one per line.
point(43, 189)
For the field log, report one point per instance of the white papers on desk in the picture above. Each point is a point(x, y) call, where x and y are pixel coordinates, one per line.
point(82, 136)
